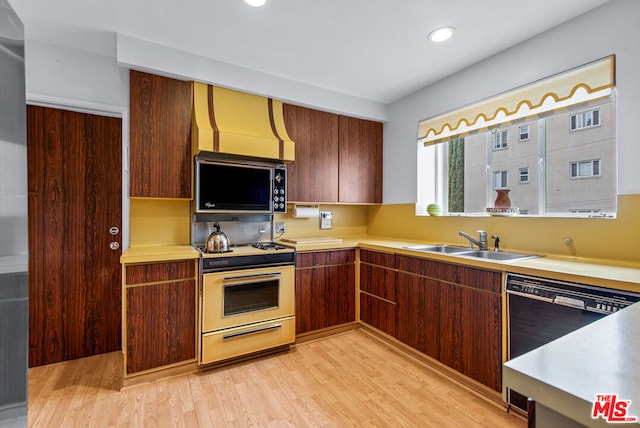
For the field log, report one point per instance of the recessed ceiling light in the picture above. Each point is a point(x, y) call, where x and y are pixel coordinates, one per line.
point(255, 3)
point(441, 34)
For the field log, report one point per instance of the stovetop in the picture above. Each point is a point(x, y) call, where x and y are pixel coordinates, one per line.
point(248, 249)
point(249, 256)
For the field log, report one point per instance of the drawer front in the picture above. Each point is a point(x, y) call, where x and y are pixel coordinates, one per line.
point(159, 272)
point(234, 342)
point(377, 258)
point(325, 258)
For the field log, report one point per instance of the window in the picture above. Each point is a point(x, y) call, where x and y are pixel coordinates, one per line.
point(584, 169)
point(499, 139)
point(500, 180)
point(523, 133)
point(586, 119)
point(463, 157)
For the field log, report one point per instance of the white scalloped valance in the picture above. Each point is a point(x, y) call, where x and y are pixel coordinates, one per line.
point(586, 83)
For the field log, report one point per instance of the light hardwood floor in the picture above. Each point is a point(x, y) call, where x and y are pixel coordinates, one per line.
point(346, 380)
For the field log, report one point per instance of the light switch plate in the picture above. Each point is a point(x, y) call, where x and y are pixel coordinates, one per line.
point(326, 219)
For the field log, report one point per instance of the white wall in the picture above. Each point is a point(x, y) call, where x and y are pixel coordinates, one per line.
point(74, 77)
point(609, 29)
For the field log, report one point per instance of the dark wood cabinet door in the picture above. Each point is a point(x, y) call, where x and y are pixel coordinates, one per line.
point(75, 197)
point(160, 136)
point(313, 176)
point(417, 312)
point(325, 289)
point(161, 324)
point(452, 313)
point(471, 340)
point(360, 161)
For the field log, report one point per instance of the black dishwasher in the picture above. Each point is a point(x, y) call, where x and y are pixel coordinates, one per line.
point(541, 310)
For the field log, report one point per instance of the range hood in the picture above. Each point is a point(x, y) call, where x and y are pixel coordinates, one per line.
point(237, 123)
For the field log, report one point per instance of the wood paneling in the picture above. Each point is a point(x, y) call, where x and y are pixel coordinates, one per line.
point(325, 289)
point(74, 198)
point(313, 176)
point(161, 324)
point(378, 313)
point(158, 272)
point(160, 145)
point(360, 161)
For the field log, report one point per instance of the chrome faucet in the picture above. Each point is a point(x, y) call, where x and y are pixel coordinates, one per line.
point(481, 243)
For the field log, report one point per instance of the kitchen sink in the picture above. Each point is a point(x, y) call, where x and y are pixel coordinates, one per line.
point(446, 249)
point(471, 253)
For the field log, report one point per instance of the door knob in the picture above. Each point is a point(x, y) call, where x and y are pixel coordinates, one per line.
point(114, 245)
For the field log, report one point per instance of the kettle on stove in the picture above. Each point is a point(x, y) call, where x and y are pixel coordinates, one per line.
point(217, 242)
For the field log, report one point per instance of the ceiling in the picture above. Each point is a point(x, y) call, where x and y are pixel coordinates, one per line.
point(371, 49)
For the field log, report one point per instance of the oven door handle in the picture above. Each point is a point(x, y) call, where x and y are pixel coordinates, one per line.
point(252, 331)
point(256, 276)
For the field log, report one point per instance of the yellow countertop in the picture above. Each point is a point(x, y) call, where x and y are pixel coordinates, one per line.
point(146, 254)
point(593, 272)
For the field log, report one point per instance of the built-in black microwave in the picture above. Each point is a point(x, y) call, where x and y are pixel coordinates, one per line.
point(247, 187)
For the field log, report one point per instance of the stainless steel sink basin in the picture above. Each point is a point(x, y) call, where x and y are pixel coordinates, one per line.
point(446, 249)
point(500, 255)
point(471, 253)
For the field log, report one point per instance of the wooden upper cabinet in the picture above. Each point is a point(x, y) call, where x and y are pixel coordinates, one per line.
point(338, 158)
point(313, 176)
point(160, 140)
point(360, 161)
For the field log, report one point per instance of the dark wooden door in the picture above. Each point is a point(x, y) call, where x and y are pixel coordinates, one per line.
point(75, 197)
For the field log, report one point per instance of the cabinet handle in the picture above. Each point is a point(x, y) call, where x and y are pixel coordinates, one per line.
point(259, 275)
point(254, 331)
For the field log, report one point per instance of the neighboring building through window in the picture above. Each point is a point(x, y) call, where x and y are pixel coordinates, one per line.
point(523, 175)
point(499, 139)
point(586, 119)
point(583, 169)
point(500, 180)
point(523, 133)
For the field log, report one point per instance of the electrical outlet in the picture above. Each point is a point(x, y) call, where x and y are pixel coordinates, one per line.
point(281, 227)
point(326, 219)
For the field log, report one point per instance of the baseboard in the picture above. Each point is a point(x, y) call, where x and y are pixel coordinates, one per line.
point(326, 332)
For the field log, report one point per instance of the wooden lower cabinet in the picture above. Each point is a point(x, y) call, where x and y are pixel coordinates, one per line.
point(453, 314)
point(325, 289)
point(160, 315)
point(417, 312)
point(378, 290)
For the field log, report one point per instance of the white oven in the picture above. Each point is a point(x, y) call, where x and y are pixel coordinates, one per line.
point(247, 303)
